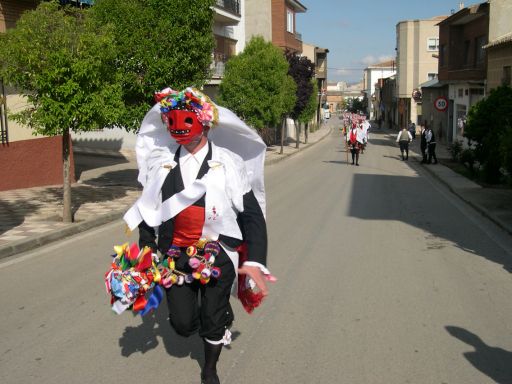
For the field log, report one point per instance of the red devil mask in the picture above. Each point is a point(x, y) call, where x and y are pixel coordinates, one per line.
point(183, 125)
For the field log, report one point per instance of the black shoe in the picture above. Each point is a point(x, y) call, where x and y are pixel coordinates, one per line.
point(357, 164)
point(407, 158)
point(435, 162)
point(210, 379)
point(352, 163)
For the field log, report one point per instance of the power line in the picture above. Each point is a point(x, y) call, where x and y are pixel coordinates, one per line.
point(347, 69)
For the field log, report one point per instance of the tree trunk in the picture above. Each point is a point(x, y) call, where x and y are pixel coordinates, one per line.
point(306, 129)
point(66, 165)
point(282, 135)
point(297, 133)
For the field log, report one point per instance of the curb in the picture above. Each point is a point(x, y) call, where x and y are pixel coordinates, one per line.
point(25, 245)
point(295, 151)
point(475, 206)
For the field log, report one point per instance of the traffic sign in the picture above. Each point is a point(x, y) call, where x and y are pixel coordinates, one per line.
point(441, 103)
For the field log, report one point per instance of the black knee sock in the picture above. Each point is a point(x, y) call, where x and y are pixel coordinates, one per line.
point(211, 356)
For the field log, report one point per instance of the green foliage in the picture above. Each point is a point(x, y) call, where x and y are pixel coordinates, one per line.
point(356, 106)
point(455, 149)
point(308, 113)
point(489, 124)
point(159, 43)
point(468, 159)
point(63, 67)
point(256, 85)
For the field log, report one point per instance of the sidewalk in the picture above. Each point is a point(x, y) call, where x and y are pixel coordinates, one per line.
point(493, 203)
point(107, 186)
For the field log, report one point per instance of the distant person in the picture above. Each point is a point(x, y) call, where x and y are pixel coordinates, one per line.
point(431, 146)
point(412, 129)
point(354, 144)
point(403, 138)
point(423, 143)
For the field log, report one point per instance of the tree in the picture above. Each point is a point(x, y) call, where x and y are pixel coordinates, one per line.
point(256, 86)
point(355, 105)
point(308, 113)
point(159, 43)
point(63, 67)
point(302, 70)
point(489, 124)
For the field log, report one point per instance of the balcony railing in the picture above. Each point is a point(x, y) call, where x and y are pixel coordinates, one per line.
point(298, 36)
point(232, 6)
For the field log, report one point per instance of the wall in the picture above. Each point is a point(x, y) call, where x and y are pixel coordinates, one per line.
point(258, 19)
point(437, 120)
point(500, 15)
point(11, 10)
point(280, 36)
point(497, 58)
point(31, 163)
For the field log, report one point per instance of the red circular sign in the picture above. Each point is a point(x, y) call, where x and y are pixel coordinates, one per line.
point(441, 103)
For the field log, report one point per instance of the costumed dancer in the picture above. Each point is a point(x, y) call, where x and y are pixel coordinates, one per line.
point(365, 125)
point(201, 203)
point(354, 143)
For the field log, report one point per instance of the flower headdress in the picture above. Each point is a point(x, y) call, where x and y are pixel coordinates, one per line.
point(189, 99)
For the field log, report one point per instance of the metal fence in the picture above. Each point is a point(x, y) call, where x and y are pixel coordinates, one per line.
point(232, 6)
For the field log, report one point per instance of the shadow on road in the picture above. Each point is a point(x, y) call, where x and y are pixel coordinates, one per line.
point(413, 201)
point(492, 361)
point(154, 327)
point(86, 162)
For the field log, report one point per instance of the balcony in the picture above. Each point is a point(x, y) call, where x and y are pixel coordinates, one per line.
point(231, 6)
point(227, 12)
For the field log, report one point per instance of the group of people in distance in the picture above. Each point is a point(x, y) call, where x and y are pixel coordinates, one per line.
point(356, 133)
point(427, 142)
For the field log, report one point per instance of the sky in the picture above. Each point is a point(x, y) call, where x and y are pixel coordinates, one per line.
point(359, 33)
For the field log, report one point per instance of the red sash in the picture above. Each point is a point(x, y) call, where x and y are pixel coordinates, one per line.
point(188, 226)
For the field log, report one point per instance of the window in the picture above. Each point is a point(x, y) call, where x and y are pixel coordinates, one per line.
point(442, 55)
point(433, 44)
point(467, 44)
point(432, 76)
point(289, 21)
point(479, 49)
point(507, 76)
point(460, 92)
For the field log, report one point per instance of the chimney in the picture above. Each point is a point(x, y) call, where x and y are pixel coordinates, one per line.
point(461, 5)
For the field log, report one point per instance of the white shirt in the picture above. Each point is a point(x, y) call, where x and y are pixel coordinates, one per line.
point(190, 164)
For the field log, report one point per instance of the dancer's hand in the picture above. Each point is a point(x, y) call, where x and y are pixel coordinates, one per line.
point(257, 276)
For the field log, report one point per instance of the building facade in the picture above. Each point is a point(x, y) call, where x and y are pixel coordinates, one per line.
point(27, 160)
point(371, 76)
point(499, 48)
point(463, 63)
point(284, 31)
point(417, 49)
point(318, 57)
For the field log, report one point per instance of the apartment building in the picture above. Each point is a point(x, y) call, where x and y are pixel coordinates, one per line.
point(229, 33)
point(371, 76)
point(417, 49)
point(318, 56)
point(499, 48)
point(463, 63)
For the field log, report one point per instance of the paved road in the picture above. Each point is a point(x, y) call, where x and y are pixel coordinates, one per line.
point(385, 277)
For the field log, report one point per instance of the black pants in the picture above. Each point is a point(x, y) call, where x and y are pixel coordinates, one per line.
point(404, 147)
point(432, 153)
point(212, 314)
point(423, 153)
